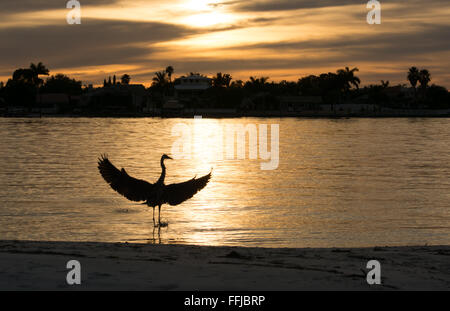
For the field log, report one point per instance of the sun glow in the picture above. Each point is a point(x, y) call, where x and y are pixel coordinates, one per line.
point(208, 19)
point(197, 5)
point(205, 13)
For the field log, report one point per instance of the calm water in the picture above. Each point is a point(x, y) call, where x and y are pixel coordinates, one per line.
point(355, 182)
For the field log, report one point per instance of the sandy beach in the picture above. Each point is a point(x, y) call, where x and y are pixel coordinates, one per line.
point(27, 265)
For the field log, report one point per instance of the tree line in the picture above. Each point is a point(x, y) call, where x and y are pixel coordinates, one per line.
point(333, 88)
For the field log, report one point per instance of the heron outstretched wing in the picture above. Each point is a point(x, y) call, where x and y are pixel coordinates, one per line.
point(175, 194)
point(133, 189)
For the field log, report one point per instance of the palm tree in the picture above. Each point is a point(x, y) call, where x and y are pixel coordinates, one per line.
point(160, 79)
point(169, 71)
point(413, 77)
point(424, 78)
point(161, 84)
point(263, 80)
point(349, 78)
point(237, 84)
point(37, 70)
point(222, 80)
point(125, 79)
point(257, 82)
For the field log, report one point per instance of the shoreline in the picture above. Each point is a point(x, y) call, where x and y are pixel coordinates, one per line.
point(231, 113)
point(236, 116)
point(40, 265)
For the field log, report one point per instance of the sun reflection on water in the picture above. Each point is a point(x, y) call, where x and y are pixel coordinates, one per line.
point(324, 194)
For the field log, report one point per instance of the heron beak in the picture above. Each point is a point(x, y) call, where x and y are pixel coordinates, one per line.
point(169, 158)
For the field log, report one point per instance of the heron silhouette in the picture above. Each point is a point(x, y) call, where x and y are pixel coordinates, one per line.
point(153, 195)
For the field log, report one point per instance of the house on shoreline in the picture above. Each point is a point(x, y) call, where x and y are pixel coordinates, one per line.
point(191, 85)
point(190, 90)
point(116, 98)
point(51, 103)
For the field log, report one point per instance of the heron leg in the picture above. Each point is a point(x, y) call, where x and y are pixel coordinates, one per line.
point(159, 215)
point(159, 235)
point(153, 215)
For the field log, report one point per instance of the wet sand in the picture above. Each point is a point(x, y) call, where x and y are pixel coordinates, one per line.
point(26, 265)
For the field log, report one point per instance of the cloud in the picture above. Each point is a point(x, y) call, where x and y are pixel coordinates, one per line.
point(94, 42)
point(374, 46)
point(285, 5)
point(280, 37)
point(378, 55)
point(23, 6)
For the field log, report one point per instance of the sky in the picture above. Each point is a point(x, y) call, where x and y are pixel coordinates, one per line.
point(280, 39)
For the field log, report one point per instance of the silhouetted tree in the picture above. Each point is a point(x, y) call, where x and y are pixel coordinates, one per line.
point(20, 91)
point(256, 84)
point(37, 70)
point(160, 79)
point(332, 86)
point(237, 84)
point(222, 80)
point(348, 78)
point(424, 78)
point(169, 71)
point(285, 88)
point(309, 86)
point(2, 90)
point(61, 84)
point(413, 78)
point(125, 79)
point(437, 97)
point(24, 75)
point(376, 93)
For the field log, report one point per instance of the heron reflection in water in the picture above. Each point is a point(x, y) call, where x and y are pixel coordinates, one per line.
point(153, 195)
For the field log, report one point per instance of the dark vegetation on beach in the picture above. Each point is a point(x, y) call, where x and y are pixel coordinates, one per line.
point(27, 92)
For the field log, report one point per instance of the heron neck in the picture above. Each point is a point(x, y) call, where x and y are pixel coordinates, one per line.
point(163, 173)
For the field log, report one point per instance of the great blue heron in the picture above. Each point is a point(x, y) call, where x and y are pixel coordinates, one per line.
point(153, 195)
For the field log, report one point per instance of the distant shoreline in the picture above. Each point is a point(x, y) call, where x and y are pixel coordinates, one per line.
point(41, 265)
point(219, 115)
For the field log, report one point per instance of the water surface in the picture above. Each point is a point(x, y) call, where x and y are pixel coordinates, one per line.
point(340, 183)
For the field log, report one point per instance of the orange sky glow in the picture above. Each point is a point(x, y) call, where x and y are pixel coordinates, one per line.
point(281, 39)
